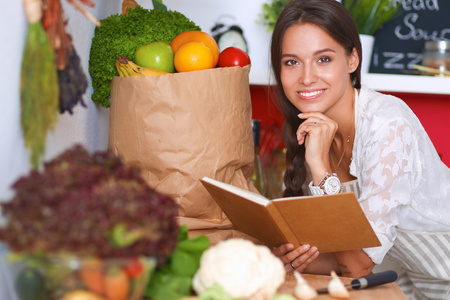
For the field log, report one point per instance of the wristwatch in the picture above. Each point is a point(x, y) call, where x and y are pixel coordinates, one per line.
point(328, 185)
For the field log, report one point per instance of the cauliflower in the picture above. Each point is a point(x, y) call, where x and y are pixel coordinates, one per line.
point(245, 270)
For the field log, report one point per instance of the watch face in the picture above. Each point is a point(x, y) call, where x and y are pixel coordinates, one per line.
point(332, 185)
point(232, 38)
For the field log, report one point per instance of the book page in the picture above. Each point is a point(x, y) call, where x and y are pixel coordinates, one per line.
point(249, 217)
point(260, 199)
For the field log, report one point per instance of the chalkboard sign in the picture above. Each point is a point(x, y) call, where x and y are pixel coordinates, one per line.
point(399, 43)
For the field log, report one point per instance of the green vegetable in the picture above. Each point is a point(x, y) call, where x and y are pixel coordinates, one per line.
point(121, 237)
point(120, 35)
point(159, 4)
point(30, 285)
point(173, 280)
point(102, 197)
point(215, 292)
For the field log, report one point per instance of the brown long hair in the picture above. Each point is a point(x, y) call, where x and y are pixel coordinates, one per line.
point(337, 21)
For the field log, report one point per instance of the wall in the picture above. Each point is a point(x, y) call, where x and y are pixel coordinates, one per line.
point(87, 126)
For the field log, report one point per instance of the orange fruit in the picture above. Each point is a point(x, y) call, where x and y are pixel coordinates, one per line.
point(193, 56)
point(200, 36)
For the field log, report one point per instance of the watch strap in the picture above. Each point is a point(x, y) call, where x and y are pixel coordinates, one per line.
point(320, 190)
point(315, 190)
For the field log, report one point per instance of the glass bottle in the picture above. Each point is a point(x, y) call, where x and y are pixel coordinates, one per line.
point(436, 54)
point(258, 177)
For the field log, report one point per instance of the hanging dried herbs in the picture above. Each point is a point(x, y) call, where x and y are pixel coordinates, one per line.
point(71, 78)
point(39, 92)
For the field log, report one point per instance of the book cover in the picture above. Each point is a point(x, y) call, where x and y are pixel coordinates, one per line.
point(330, 222)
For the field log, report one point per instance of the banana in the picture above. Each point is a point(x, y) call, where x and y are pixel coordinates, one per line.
point(126, 67)
point(122, 71)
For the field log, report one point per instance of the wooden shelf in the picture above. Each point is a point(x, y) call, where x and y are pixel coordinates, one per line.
point(380, 82)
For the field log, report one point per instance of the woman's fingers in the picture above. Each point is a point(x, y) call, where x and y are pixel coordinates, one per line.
point(282, 250)
point(303, 261)
point(296, 259)
point(307, 127)
point(315, 124)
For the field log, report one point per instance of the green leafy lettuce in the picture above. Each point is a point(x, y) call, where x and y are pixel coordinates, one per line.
point(120, 35)
point(173, 280)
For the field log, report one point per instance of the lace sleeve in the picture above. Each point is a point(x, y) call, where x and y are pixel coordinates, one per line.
point(387, 174)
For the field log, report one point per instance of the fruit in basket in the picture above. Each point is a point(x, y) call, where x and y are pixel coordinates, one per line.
point(80, 295)
point(199, 36)
point(90, 273)
point(134, 268)
point(117, 285)
point(193, 56)
point(158, 55)
point(126, 68)
point(233, 56)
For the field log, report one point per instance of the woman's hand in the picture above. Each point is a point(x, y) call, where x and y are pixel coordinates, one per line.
point(296, 259)
point(317, 133)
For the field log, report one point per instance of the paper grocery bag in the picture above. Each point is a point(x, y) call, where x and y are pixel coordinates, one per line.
point(180, 127)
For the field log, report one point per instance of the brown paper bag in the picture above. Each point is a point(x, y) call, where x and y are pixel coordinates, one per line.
point(180, 127)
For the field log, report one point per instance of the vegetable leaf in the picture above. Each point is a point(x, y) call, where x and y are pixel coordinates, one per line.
point(79, 200)
point(159, 5)
point(215, 292)
point(173, 280)
point(121, 35)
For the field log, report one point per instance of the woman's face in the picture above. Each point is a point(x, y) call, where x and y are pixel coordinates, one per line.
point(315, 69)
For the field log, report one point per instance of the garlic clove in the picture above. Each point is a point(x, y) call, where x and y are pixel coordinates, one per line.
point(302, 290)
point(336, 288)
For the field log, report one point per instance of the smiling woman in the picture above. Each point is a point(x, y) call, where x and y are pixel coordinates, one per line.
point(310, 57)
point(341, 136)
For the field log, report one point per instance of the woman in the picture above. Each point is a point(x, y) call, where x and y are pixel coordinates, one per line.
point(337, 131)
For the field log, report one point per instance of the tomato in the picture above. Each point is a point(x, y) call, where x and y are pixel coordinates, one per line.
point(233, 56)
point(134, 268)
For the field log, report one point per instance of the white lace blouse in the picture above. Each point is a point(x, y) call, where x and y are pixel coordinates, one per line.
point(401, 180)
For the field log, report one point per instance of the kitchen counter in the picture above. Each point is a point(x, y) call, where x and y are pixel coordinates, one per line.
point(385, 291)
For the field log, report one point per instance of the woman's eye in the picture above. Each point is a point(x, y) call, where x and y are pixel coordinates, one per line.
point(324, 59)
point(290, 62)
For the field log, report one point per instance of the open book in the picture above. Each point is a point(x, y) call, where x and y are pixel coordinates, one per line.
point(330, 222)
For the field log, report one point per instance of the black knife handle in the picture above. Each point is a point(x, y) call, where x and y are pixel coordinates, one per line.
point(374, 279)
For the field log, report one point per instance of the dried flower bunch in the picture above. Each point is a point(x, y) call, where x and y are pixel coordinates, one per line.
point(89, 205)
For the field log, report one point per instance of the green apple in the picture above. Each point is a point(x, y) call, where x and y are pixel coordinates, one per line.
point(158, 55)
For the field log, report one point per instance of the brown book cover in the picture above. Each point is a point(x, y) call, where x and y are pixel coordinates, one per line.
point(330, 222)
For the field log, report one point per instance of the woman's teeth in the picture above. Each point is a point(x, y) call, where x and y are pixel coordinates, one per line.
point(310, 94)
